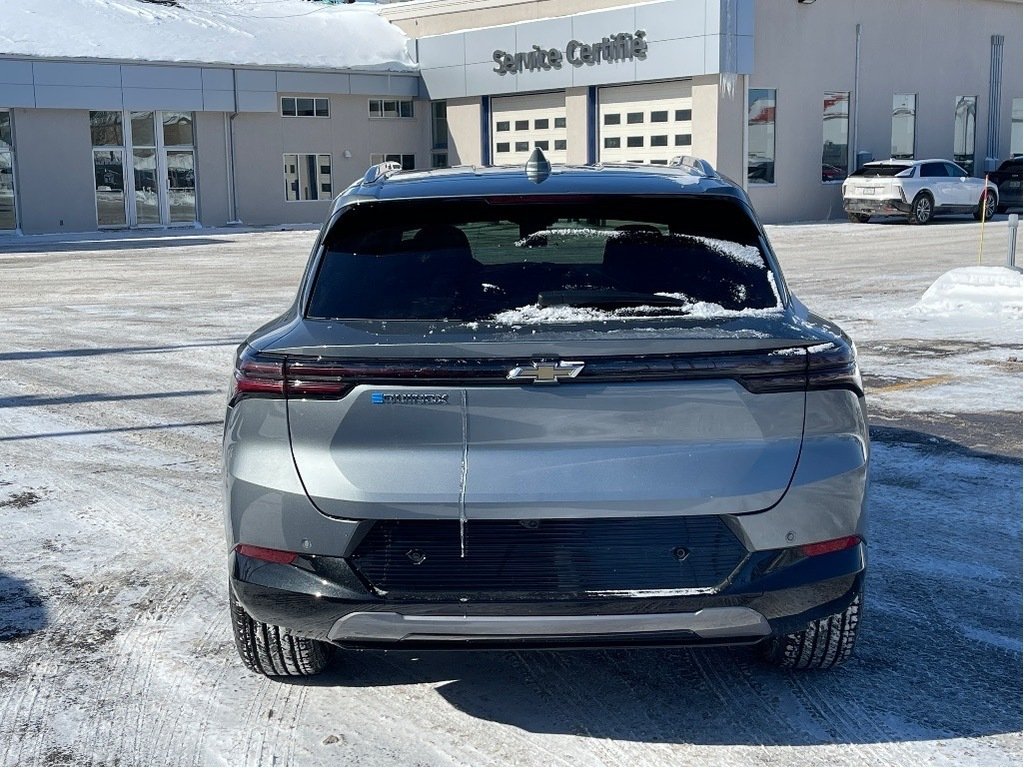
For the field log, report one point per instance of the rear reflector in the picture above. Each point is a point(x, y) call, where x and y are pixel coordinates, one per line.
point(832, 545)
point(267, 555)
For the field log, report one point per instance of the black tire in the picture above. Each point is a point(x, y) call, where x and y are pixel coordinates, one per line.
point(986, 207)
point(922, 209)
point(271, 650)
point(825, 643)
point(858, 218)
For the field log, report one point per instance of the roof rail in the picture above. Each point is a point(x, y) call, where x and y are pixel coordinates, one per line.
point(702, 167)
point(380, 171)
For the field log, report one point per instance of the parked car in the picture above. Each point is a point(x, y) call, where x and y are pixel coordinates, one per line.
point(1008, 181)
point(917, 189)
point(559, 407)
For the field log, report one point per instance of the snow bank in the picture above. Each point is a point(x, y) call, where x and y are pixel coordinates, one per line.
point(974, 292)
point(255, 32)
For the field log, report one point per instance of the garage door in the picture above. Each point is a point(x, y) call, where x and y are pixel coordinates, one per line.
point(645, 123)
point(520, 124)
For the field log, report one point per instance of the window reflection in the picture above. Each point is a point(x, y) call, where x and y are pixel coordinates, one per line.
point(178, 129)
point(835, 127)
point(106, 129)
point(761, 136)
point(904, 115)
point(964, 123)
point(108, 165)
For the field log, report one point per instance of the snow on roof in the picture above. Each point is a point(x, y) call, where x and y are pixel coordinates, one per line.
point(254, 32)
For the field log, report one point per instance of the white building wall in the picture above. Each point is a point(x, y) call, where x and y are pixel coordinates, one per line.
point(938, 49)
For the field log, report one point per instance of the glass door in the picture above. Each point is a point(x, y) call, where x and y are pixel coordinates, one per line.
point(145, 184)
point(181, 186)
point(177, 142)
point(145, 173)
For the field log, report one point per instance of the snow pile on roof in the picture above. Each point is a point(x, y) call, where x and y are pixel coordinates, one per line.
point(254, 32)
point(976, 292)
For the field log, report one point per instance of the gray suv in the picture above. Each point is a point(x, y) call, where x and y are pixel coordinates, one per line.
point(553, 407)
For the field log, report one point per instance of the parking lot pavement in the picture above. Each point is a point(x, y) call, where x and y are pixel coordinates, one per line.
point(115, 352)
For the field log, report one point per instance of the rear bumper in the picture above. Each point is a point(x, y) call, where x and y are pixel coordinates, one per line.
point(875, 207)
point(760, 601)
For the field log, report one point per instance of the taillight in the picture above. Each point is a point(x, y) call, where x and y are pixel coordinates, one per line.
point(256, 376)
point(827, 547)
point(261, 375)
point(833, 366)
point(265, 554)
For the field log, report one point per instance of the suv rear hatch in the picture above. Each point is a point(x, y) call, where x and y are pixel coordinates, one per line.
point(524, 359)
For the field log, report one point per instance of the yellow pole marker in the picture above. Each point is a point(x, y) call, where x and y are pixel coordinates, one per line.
point(984, 207)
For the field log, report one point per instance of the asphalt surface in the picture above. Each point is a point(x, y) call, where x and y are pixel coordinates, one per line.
point(115, 646)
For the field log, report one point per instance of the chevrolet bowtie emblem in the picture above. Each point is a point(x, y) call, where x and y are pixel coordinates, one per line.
point(546, 372)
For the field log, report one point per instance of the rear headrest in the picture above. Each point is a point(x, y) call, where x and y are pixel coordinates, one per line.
point(442, 237)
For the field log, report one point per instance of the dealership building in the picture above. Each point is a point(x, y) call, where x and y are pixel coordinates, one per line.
point(784, 96)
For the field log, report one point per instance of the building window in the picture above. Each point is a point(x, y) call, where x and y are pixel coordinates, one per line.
point(612, 142)
point(503, 146)
point(560, 145)
point(612, 119)
point(835, 128)
point(307, 177)
point(522, 125)
point(904, 115)
point(305, 106)
point(408, 162)
point(522, 146)
point(559, 122)
point(541, 125)
point(542, 145)
point(107, 131)
point(8, 219)
point(634, 118)
point(1016, 125)
point(439, 134)
point(964, 124)
point(761, 136)
point(683, 139)
point(390, 108)
point(683, 115)
point(659, 141)
point(503, 125)
point(661, 116)
point(634, 141)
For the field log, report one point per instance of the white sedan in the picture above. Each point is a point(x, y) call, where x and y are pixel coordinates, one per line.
point(918, 189)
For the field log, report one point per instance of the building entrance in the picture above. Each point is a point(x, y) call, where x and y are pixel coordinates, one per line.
point(144, 164)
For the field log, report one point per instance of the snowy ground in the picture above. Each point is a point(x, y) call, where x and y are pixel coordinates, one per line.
point(114, 640)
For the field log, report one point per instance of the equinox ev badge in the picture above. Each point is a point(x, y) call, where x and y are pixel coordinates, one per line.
point(547, 372)
point(406, 398)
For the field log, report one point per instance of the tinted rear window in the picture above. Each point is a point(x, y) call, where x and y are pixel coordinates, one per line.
point(541, 259)
point(881, 170)
point(1014, 164)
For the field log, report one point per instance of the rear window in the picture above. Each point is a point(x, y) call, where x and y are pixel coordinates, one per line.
point(882, 170)
point(534, 260)
point(1014, 164)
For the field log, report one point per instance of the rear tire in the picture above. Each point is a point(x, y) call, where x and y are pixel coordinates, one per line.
point(825, 643)
point(858, 218)
point(986, 208)
point(271, 650)
point(922, 209)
